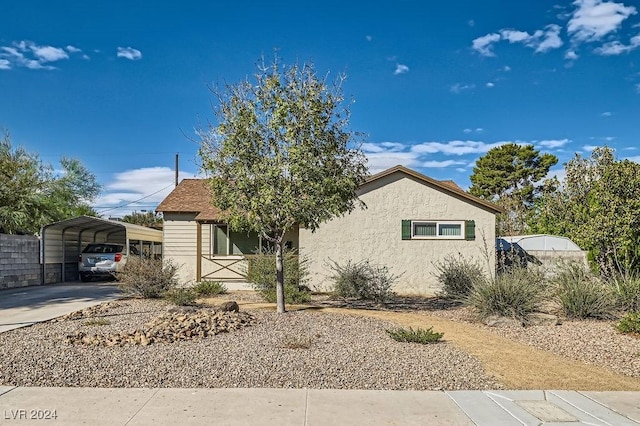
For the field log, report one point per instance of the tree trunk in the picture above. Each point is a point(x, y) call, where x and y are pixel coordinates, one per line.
point(280, 277)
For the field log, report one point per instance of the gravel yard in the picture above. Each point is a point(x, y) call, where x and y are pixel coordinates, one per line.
point(296, 350)
point(591, 341)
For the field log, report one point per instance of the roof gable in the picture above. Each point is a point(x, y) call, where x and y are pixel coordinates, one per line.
point(447, 186)
point(190, 196)
point(194, 196)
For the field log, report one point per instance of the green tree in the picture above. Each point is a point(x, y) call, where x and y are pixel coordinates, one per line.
point(32, 194)
point(598, 207)
point(148, 219)
point(510, 175)
point(281, 155)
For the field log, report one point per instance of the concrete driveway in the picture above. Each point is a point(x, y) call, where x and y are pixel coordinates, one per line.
point(20, 307)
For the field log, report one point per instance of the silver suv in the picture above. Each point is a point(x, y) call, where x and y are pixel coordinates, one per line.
point(101, 260)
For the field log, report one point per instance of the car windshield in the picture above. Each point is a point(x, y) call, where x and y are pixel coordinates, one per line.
point(103, 248)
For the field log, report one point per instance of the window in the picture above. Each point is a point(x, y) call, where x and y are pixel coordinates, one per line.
point(225, 242)
point(438, 229)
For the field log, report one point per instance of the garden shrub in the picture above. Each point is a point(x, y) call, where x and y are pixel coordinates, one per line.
point(209, 288)
point(581, 294)
point(630, 323)
point(515, 293)
point(147, 278)
point(362, 280)
point(261, 274)
point(181, 296)
point(627, 292)
point(419, 335)
point(297, 341)
point(457, 275)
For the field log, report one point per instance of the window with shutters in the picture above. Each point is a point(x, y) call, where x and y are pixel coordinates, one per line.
point(438, 229)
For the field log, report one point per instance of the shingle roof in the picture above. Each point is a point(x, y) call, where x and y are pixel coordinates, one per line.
point(190, 196)
point(193, 195)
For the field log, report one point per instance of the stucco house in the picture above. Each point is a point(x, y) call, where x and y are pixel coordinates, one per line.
point(410, 223)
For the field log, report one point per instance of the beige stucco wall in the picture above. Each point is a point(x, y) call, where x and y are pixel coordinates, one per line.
point(375, 234)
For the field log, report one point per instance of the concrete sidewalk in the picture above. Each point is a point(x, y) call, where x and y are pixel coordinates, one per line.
point(99, 406)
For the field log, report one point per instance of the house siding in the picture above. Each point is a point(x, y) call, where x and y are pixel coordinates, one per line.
point(376, 234)
point(180, 232)
point(179, 236)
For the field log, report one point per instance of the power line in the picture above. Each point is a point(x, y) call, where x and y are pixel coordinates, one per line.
point(133, 202)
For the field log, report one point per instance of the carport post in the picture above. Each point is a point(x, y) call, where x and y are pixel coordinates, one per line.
point(64, 255)
point(199, 252)
point(42, 279)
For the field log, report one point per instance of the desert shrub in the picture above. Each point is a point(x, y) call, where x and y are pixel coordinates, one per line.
point(181, 296)
point(581, 294)
point(147, 278)
point(419, 335)
point(627, 292)
point(297, 341)
point(630, 323)
point(457, 275)
point(515, 293)
point(261, 274)
point(362, 280)
point(209, 288)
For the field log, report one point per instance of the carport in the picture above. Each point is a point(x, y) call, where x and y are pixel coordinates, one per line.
point(62, 242)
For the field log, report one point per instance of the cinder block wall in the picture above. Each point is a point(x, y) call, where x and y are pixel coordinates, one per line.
point(19, 261)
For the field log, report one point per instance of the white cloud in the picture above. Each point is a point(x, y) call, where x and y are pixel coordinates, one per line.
point(616, 47)
point(368, 37)
point(430, 154)
point(48, 53)
point(548, 39)
point(541, 40)
point(129, 53)
point(484, 44)
point(490, 85)
point(479, 130)
point(401, 69)
point(148, 185)
point(442, 164)
point(454, 147)
point(635, 159)
point(468, 130)
point(459, 87)
point(589, 148)
point(606, 114)
point(5, 64)
point(554, 143)
point(571, 55)
point(513, 36)
point(506, 68)
point(30, 55)
point(384, 160)
point(594, 19)
point(73, 49)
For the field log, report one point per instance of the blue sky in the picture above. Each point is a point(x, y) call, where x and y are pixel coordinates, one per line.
point(122, 85)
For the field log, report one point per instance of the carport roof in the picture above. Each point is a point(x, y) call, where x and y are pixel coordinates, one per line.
point(82, 223)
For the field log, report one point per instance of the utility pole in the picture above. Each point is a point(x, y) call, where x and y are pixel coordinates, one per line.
point(176, 181)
